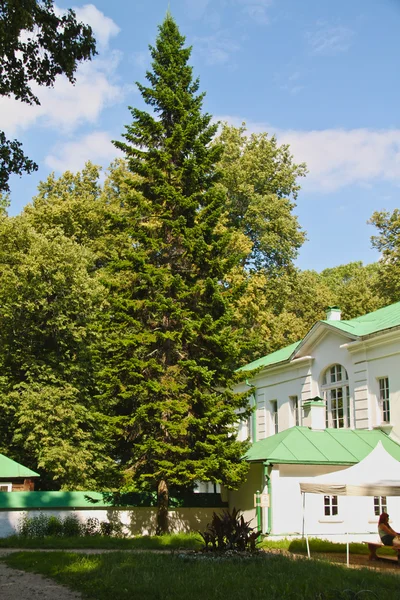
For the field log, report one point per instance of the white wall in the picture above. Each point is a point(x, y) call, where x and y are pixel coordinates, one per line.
point(380, 358)
point(137, 521)
point(279, 385)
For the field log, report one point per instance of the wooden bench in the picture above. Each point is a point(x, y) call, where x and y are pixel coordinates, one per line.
point(374, 546)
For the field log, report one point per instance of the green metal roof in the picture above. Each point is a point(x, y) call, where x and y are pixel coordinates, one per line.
point(273, 358)
point(43, 500)
point(301, 445)
point(379, 320)
point(11, 469)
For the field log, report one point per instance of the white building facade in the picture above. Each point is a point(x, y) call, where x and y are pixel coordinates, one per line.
point(321, 405)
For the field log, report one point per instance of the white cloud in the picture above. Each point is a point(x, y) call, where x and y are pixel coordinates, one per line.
point(329, 39)
point(337, 158)
point(256, 9)
point(103, 27)
point(66, 106)
point(216, 49)
point(72, 156)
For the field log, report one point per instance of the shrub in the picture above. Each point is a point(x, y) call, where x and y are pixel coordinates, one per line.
point(72, 526)
point(229, 531)
point(91, 527)
point(42, 525)
point(34, 526)
point(54, 526)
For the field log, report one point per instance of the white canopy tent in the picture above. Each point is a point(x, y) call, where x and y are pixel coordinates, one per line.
point(378, 474)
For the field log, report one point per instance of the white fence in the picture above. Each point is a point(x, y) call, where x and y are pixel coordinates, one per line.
point(135, 521)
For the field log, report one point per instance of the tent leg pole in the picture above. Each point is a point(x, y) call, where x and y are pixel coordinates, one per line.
point(304, 526)
point(347, 549)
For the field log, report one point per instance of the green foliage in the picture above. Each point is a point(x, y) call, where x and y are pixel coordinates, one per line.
point(260, 181)
point(13, 160)
point(170, 350)
point(387, 242)
point(36, 45)
point(44, 525)
point(51, 527)
point(355, 288)
point(82, 209)
point(50, 299)
point(229, 531)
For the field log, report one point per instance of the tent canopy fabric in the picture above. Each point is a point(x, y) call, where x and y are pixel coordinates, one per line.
point(378, 474)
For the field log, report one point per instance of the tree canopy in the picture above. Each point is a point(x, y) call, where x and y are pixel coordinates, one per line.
point(50, 300)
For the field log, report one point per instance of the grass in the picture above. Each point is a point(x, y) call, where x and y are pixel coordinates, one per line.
point(190, 541)
point(150, 576)
point(298, 546)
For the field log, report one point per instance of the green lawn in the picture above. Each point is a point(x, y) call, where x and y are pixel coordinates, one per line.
point(190, 541)
point(149, 576)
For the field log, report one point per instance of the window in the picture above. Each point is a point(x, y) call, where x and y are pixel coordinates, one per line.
point(294, 403)
point(330, 506)
point(206, 487)
point(274, 416)
point(380, 505)
point(5, 487)
point(384, 402)
point(336, 393)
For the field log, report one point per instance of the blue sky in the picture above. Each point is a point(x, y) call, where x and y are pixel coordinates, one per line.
point(321, 75)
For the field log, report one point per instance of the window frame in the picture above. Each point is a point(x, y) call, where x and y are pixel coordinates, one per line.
point(380, 505)
point(274, 422)
point(295, 408)
point(6, 484)
point(335, 390)
point(331, 506)
point(384, 399)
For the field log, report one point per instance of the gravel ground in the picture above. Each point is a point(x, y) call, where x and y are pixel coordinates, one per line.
point(18, 585)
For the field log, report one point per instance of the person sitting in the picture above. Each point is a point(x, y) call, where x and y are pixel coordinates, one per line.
point(389, 537)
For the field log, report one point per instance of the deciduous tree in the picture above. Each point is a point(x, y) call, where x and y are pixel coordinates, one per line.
point(50, 417)
point(387, 242)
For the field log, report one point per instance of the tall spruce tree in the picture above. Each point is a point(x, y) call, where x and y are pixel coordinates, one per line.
point(171, 351)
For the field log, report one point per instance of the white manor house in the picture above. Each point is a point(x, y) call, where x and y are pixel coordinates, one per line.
point(322, 405)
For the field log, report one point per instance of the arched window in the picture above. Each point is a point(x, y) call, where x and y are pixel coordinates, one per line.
point(336, 393)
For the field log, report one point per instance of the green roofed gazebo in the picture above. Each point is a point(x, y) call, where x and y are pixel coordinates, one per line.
point(14, 476)
point(302, 445)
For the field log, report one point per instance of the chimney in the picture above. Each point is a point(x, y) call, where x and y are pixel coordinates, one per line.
point(314, 413)
point(333, 313)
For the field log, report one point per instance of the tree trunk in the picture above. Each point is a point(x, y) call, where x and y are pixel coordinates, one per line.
point(162, 507)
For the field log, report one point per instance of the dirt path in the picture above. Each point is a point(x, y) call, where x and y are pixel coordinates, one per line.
point(17, 585)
